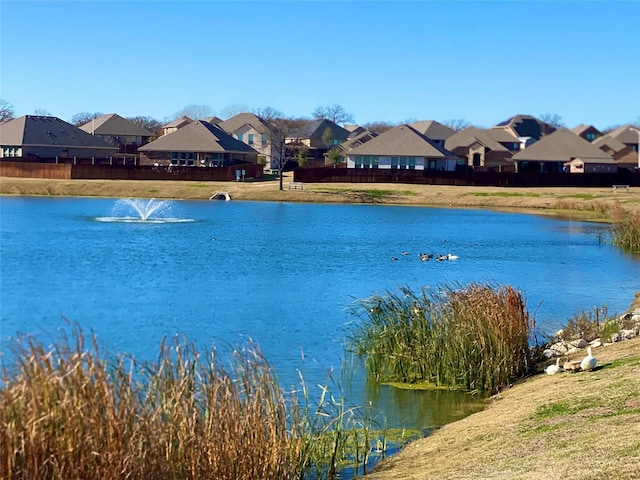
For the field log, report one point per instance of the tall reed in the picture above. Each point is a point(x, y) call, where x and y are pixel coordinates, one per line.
point(474, 337)
point(70, 411)
point(626, 228)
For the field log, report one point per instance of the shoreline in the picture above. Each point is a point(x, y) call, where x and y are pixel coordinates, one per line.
point(588, 204)
point(542, 427)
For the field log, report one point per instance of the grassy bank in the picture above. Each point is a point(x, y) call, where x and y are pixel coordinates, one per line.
point(580, 203)
point(572, 425)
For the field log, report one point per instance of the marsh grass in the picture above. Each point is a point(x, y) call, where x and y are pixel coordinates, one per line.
point(474, 337)
point(626, 228)
point(69, 411)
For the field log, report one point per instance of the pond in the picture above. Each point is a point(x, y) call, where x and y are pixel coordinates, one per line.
point(284, 275)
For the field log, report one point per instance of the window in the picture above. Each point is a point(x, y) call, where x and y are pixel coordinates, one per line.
point(403, 163)
point(476, 160)
point(250, 139)
point(11, 151)
point(366, 162)
point(591, 136)
point(265, 139)
point(174, 155)
point(190, 156)
point(240, 137)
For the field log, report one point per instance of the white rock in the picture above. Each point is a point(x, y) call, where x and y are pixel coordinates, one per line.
point(582, 343)
point(627, 334)
point(548, 353)
point(596, 343)
point(573, 350)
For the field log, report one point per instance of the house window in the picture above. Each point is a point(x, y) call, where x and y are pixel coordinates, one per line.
point(174, 155)
point(190, 156)
point(11, 151)
point(265, 140)
point(250, 139)
point(366, 162)
point(403, 163)
point(240, 137)
point(591, 136)
point(476, 160)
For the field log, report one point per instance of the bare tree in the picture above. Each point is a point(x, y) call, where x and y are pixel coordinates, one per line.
point(195, 112)
point(456, 124)
point(81, 118)
point(379, 126)
point(233, 110)
point(148, 123)
point(335, 113)
point(279, 128)
point(43, 112)
point(552, 119)
point(7, 111)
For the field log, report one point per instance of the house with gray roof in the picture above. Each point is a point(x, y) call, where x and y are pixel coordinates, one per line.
point(588, 132)
point(44, 138)
point(198, 144)
point(434, 130)
point(626, 155)
point(555, 152)
point(484, 149)
point(401, 147)
point(525, 127)
point(354, 141)
point(256, 132)
point(176, 124)
point(316, 138)
point(118, 131)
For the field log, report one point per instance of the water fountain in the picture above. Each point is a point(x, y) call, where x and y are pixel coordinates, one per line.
point(136, 210)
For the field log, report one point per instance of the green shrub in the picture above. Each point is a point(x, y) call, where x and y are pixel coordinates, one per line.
point(474, 337)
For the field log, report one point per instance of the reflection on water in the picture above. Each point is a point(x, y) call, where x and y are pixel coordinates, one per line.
point(285, 276)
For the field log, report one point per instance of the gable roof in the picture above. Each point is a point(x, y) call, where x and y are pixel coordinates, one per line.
point(114, 125)
point(215, 120)
point(178, 122)
point(608, 141)
point(626, 135)
point(197, 137)
point(36, 130)
point(580, 129)
point(561, 146)
point(316, 129)
point(468, 136)
point(402, 140)
point(526, 126)
point(357, 140)
point(433, 129)
point(232, 124)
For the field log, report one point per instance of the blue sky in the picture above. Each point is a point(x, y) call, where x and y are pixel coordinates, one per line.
point(481, 61)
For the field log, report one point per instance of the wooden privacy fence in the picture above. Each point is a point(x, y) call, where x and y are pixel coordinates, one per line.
point(127, 172)
point(432, 177)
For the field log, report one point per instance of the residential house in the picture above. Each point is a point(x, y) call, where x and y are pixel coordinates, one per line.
point(434, 130)
point(118, 131)
point(588, 132)
point(198, 144)
point(625, 155)
point(527, 128)
point(484, 149)
point(630, 136)
point(315, 138)
point(591, 165)
point(352, 142)
point(554, 152)
point(401, 147)
point(176, 124)
point(256, 132)
point(46, 139)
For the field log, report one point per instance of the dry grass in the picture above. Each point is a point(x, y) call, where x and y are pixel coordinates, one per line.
point(584, 203)
point(584, 425)
point(474, 337)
